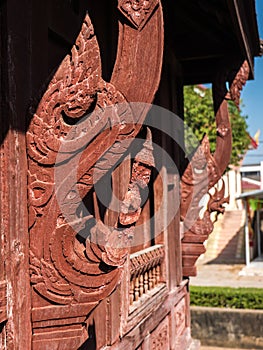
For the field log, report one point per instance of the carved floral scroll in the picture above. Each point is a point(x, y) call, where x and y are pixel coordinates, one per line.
point(203, 173)
point(71, 274)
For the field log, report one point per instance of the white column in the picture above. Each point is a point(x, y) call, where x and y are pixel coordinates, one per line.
point(247, 235)
point(258, 232)
point(261, 175)
point(238, 189)
point(232, 188)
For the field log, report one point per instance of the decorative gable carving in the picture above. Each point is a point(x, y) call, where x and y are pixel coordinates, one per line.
point(76, 259)
point(204, 171)
point(137, 11)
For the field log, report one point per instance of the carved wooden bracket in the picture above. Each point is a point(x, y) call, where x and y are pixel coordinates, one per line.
point(204, 171)
point(69, 276)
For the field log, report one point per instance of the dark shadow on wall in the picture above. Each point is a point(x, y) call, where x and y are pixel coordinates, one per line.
point(32, 47)
point(90, 343)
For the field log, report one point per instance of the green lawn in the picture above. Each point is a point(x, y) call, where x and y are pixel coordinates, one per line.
point(235, 298)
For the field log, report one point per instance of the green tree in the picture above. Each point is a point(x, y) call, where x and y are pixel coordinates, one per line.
point(200, 119)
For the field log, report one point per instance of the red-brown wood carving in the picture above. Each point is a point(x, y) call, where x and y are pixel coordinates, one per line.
point(69, 276)
point(145, 271)
point(204, 171)
point(180, 311)
point(137, 12)
point(160, 336)
point(3, 313)
point(4, 216)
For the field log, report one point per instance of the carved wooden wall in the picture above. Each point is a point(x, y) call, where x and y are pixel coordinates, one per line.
point(69, 278)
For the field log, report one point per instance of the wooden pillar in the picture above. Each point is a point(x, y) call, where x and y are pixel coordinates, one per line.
point(167, 183)
point(15, 91)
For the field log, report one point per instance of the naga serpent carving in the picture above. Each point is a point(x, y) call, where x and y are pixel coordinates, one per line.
point(67, 269)
point(205, 170)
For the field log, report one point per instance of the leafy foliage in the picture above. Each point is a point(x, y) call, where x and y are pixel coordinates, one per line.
point(200, 119)
point(235, 298)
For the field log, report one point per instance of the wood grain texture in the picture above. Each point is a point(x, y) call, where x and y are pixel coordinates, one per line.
point(67, 272)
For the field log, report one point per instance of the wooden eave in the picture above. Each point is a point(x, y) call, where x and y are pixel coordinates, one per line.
point(206, 34)
point(244, 19)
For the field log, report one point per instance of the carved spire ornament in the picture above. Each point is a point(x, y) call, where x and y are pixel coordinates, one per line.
point(137, 11)
point(238, 83)
point(204, 171)
point(81, 123)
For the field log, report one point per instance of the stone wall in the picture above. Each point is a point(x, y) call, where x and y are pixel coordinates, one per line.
point(228, 327)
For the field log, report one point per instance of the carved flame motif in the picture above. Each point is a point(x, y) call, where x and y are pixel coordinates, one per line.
point(65, 269)
point(71, 93)
point(203, 172)
point(238, 83)
point(137, 11)
point(140, 177)
point(200, 175)
point(80, 132)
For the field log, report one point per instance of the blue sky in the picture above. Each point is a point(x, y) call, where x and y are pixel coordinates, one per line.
point(252, 96)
